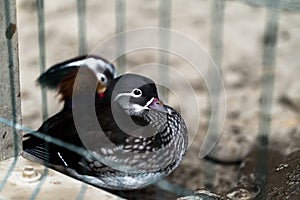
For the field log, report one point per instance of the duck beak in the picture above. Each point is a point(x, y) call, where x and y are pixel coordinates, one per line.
point(101, 88)
point(156, 104)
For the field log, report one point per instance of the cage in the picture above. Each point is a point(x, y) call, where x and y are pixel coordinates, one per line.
point(252, 45)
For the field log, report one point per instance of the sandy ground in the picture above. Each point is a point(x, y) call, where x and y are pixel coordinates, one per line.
point(241, 67)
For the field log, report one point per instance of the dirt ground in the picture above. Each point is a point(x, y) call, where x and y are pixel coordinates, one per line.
point(244, 27)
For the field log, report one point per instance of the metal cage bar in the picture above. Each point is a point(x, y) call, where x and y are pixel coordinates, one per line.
point(81, 11)
point(164, 40)
point(269, 56)
point(42, 52)
point(216, 52)
point(42, 60)
point(9, 73)
point(289, 5)
point(120, 11)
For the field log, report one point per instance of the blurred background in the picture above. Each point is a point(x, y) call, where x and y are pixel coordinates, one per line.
point(236, 34)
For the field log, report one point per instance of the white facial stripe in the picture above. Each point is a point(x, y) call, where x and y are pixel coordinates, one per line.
point(121, 95)
point(139, 108)
point(127, 94)
point(149, 102)
point(136, 107)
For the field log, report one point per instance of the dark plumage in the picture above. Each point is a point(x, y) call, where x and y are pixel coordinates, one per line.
point(141, 140)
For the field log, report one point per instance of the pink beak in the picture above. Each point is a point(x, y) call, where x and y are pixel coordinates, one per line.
point(156, 104)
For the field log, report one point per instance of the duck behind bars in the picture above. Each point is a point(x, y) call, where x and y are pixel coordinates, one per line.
point(136, 141)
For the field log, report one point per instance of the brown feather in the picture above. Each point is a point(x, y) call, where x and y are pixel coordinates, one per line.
point(66, 86)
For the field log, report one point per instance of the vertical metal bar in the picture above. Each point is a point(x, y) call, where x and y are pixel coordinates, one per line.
point(42, 54)
point(216, 39)
point(82, 49)
point(8, 38)
point(216, 52)
point(164, 42)
point(269, 56)
point(165, 7)
point(81, 12)
point(120, 9)
point(42, 57)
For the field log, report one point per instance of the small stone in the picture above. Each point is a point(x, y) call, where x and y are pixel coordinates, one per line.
point(241, 193)
point(202, 194)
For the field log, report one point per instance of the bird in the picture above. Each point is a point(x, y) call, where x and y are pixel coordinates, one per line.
point(62, 76)
point(141, 140)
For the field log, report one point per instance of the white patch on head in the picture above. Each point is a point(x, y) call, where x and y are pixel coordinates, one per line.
point(111, 70)
point(139, 108)
point(76, 63)
point(95, 64)
point(98, 66)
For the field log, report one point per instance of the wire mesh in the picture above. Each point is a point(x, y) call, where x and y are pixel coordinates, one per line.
point(217, 21)
point(216, 49)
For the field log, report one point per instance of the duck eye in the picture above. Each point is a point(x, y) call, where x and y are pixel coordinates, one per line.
point(102, 78)
point(137, 92)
